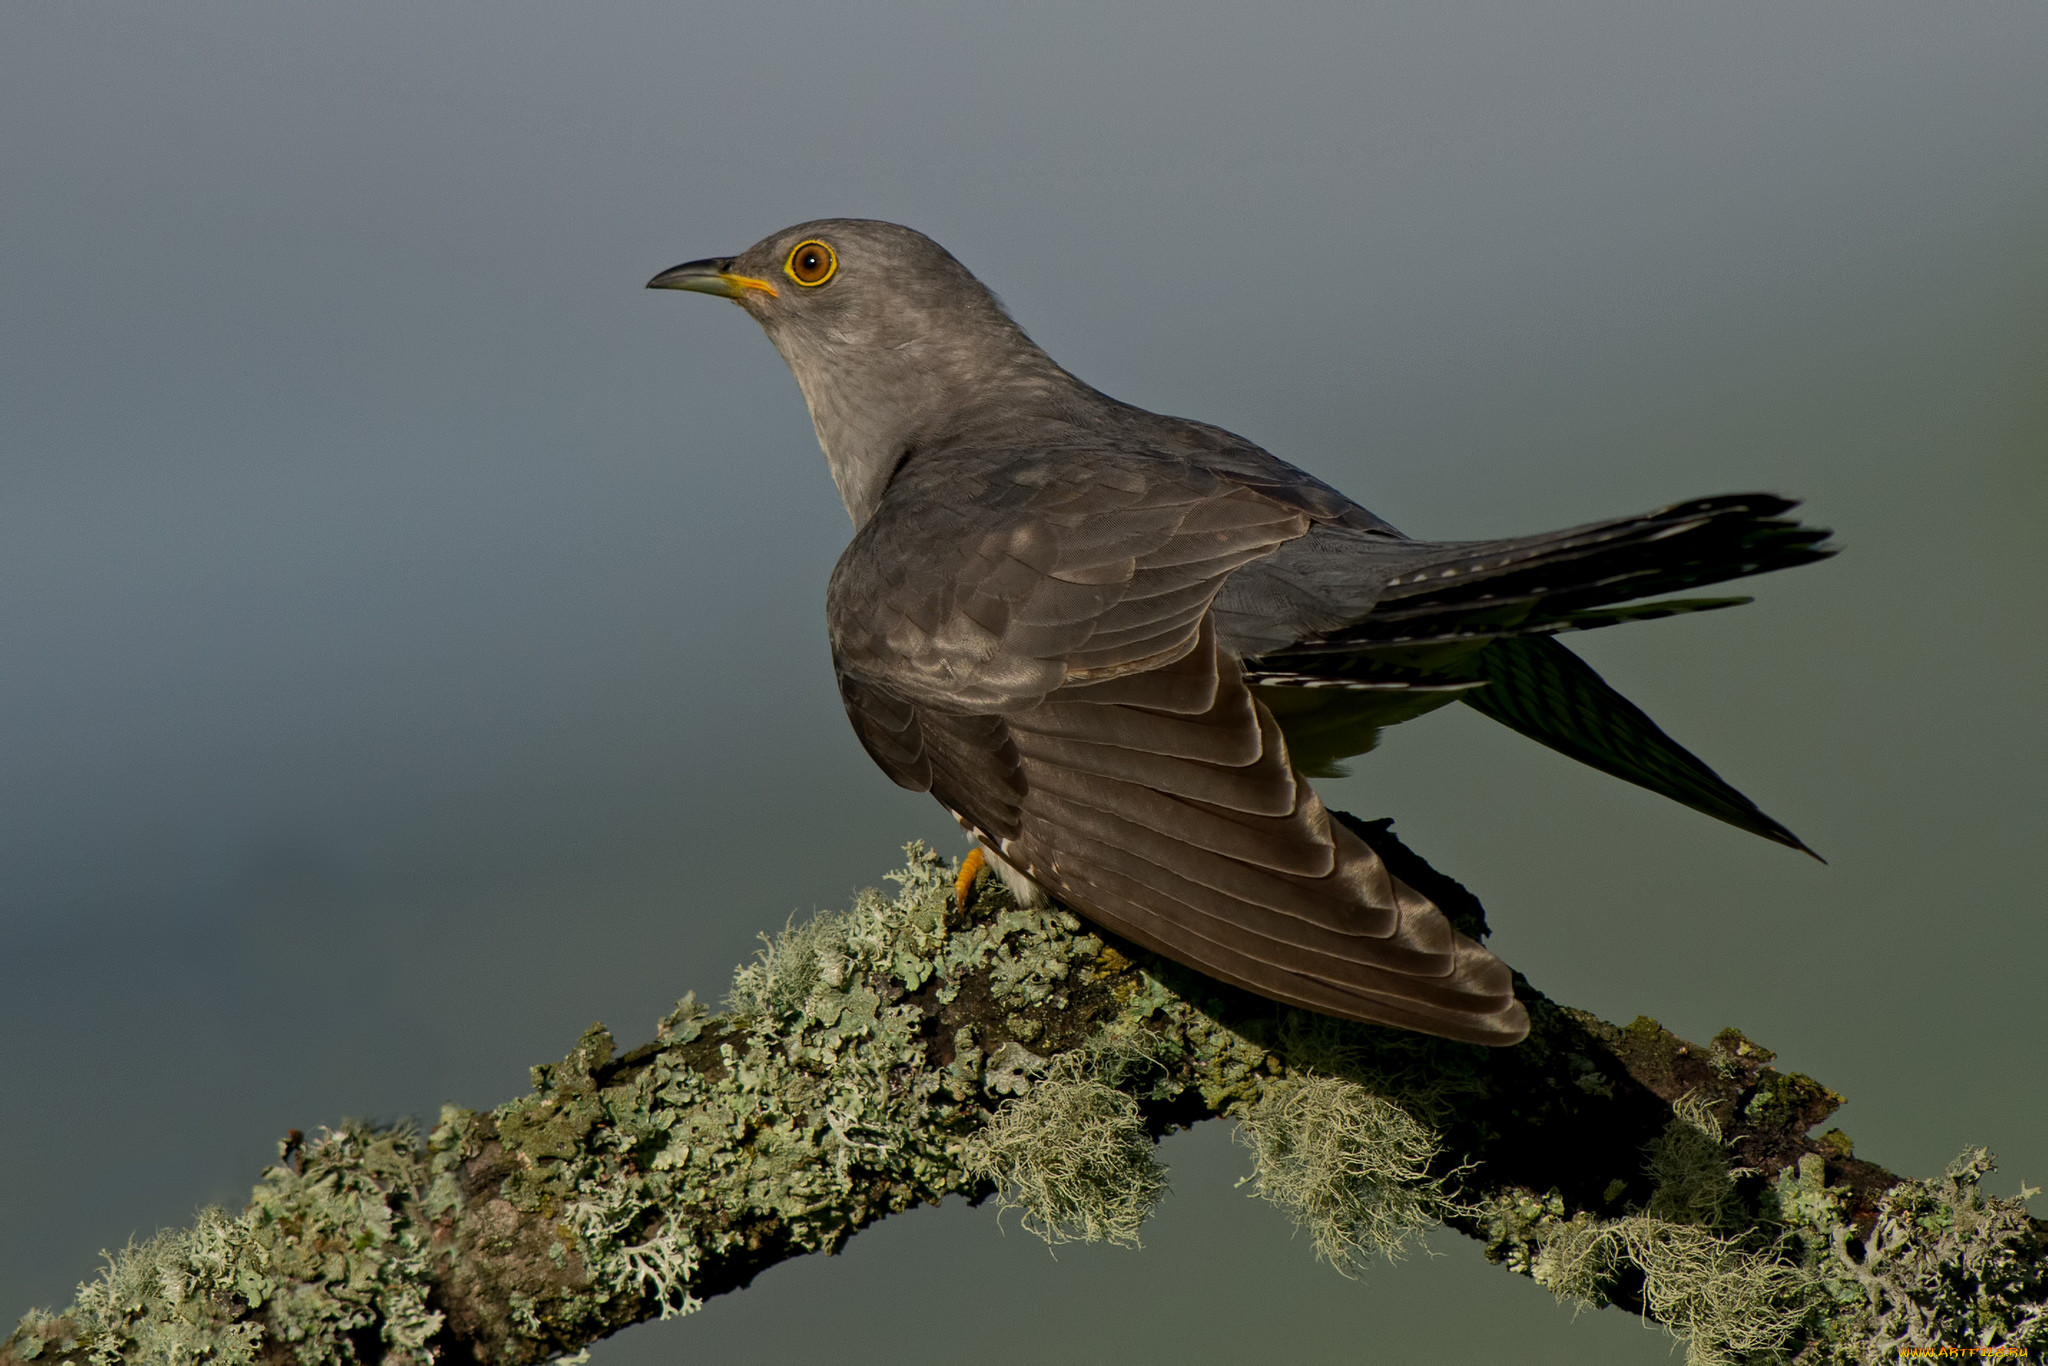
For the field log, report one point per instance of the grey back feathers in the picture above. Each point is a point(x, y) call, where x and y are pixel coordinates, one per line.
point(1113, 643)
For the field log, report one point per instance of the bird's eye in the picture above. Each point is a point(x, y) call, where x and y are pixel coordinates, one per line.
point(811, 263)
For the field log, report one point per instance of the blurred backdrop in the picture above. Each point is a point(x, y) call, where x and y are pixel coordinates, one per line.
point(411, 640)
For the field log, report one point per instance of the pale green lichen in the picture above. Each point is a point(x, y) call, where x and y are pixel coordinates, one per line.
point(1515, 1223)
point(1944, 1265)
point(346, 1259)
point(1353, 1168)
point(823, 1110)
point(780, 979)
point(175, 1297)
point(1727, 1295)
point(1072, 1153)
point(1689, 1163)
point(806, 1109)
point(1721, 1297)
point(321, 1249)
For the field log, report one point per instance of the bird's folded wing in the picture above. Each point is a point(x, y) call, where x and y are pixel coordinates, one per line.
point(1189, 831)
point(1052, 675)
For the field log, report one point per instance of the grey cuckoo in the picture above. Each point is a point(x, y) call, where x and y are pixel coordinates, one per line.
point(1115, 645)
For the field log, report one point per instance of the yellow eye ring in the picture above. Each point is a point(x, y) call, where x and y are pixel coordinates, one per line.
point(811, 263)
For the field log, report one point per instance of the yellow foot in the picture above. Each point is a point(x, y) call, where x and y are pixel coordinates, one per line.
point(971, 867)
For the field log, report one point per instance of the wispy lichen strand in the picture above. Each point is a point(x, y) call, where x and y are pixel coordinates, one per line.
point(1356, 1171)
point(1072, 1152)
point(903, 1051)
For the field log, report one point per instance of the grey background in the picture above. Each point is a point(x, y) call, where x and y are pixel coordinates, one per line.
point(410, 629)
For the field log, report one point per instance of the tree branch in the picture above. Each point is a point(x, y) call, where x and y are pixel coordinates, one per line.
point(901, 1052)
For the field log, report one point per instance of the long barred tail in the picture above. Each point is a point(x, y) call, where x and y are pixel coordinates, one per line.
point(1477, 613)
point(1573, 580)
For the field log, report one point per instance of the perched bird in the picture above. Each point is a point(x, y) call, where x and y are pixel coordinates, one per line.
point(1115, 644)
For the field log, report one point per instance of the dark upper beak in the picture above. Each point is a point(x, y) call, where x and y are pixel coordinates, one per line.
point(712, 275)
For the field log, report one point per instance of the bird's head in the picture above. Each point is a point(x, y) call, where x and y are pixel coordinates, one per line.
point(842, 284)
point(895, 345)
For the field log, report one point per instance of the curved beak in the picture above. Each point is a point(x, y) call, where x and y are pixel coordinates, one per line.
point(710, 276)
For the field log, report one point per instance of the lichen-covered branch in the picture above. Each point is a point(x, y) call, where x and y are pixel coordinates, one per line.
point(903, 1051)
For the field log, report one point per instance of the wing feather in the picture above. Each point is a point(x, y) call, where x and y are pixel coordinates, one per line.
point(1041, 656)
